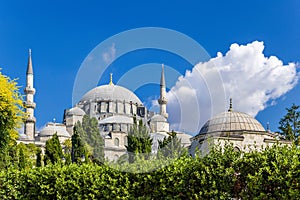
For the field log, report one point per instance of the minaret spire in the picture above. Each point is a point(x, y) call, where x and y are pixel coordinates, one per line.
point(29, 65)
point(29, 128)
point(163, 94)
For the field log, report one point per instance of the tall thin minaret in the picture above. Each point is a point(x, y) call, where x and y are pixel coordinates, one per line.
point(29, 103)
point(163, 94)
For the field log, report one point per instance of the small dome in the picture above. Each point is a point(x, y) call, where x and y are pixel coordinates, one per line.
point(52, 128)
point(75, 111)
point(231, 121)
point(111, 92)
point(158, 118)
point(185, 138)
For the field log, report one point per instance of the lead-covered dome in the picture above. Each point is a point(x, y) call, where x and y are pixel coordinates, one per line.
point(75, 111)
point(111, 93)
point(52, 128)
point(231, 121)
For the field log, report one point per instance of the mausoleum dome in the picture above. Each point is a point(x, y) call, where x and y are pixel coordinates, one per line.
point(111, 93)
point(231, 121)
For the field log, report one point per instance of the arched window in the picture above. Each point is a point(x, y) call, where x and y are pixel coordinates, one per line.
point(117, 142)
point(236, 149)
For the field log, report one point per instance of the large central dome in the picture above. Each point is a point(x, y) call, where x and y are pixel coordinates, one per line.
point(231, 121)
point(111, 93)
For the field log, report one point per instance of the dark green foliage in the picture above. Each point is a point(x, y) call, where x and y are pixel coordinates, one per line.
point(139, 142)
point(22, 161)
point(93, 138)
point(290, 123)
point(89, 133)
point(38, 157)
point(78, 148)
point(222, 174)
point(53, 152)
point(170, 146)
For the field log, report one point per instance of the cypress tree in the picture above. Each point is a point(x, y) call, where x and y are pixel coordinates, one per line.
point(170, 146)
point(78, 148)
point(38, 157)
point(139, 142)
point(53, 152)
point(91, 137)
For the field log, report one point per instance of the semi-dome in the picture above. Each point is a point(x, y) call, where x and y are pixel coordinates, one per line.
point(75, 111)
point(117, 119)
point(52, 128)
point(111, 92)
point(231, 121)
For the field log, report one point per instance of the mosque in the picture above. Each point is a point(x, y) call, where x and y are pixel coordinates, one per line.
point(115, 108)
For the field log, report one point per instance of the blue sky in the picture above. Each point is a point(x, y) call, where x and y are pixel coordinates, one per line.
point(62, 33)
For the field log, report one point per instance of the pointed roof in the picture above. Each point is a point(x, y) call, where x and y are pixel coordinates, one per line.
point(29, 65)
point(162, 79)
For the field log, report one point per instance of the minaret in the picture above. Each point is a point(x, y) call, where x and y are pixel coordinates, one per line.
point(163, 95)
point(29, 103)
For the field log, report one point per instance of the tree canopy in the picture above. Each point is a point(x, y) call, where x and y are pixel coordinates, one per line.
point(139, 141)
point(11, 111)
point(53, 152)
point(290, 123)
point(87, 140)
point(170, 146)
point(78, 148)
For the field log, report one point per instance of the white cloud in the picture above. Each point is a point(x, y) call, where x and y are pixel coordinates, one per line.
point(110, 54)
point(244, 73)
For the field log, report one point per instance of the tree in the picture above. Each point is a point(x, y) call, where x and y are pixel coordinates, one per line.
point(78, 147)
point(91, 137)
point(22, 159)
point(38, 157)
point(290, 123)
point(67, 148)
point(53, 152)
point(170, 146)
point(139, 141)
point(11, 114)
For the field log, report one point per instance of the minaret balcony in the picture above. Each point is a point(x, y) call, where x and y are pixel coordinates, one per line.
point(29, 90)
point(162, 101)
point(30, 120)
point(29, 104)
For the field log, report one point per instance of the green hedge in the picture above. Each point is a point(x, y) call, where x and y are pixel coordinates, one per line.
point(271, 174)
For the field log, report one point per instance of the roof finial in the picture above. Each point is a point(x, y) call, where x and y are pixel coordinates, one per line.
point(111, 79)
point(230, 105)
point(268, 127)
point(29, 52)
